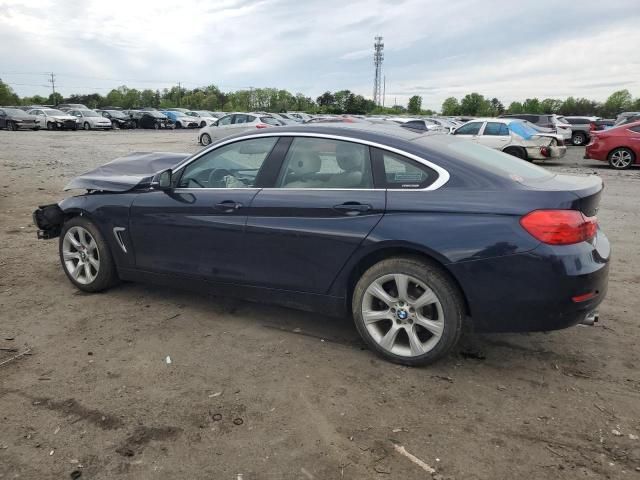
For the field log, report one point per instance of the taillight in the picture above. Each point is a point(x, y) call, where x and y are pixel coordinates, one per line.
point(545, 151)
point(592, 126)
point(560, 227)
point(262, 125)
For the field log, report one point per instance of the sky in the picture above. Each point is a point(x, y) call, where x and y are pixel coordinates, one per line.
point(433, 48)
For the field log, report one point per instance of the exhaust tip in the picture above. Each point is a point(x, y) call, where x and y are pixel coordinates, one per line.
point(590, 319)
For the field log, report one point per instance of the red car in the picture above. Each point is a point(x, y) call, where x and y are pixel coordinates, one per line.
point(620, 146)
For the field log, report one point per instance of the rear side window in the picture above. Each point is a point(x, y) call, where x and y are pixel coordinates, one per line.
point(496, 128)
point(635, 129)
point(270, 121)
point(403, 173)
point(471, 128)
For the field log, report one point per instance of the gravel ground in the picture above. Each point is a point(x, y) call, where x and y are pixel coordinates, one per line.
point(272, 393)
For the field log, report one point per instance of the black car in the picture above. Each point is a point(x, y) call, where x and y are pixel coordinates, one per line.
point(410, 234)
point(118, 119)
point(149, 119)
point(14, 119)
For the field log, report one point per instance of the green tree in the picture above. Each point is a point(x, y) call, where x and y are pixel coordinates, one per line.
point(415, 104)
point(474, 104)
point(450, 107)
point(55, 99)
point(617, 102)
point(515, 107)
point(7, 95)
point(550, 105)
point(531, 105)
point(497, 108)
point(568, 107)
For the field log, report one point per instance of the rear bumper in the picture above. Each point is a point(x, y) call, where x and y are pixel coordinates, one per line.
point(596, 151)
point(534, 291)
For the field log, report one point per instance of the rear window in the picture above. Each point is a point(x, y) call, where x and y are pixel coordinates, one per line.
point(497, 162)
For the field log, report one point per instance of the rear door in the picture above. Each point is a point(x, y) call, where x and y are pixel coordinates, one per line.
point(469, 130)
point(322, 206)
point(197, 228)
point(495, 135)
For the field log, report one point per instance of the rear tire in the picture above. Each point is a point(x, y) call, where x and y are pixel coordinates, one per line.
point(86, 126)
point(408, 310)
point(621, 158)
point(578, 139)
point(85, 256)
point(178, 125)
point(517, 152)
point(12, 126)
point(203, 124)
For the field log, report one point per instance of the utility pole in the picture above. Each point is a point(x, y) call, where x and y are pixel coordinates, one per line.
point(52, 80)
point(179, 92)
point(250, 99)
point(384, 89)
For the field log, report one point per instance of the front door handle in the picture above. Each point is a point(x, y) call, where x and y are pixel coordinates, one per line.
point(353, 208)
point(228, 206)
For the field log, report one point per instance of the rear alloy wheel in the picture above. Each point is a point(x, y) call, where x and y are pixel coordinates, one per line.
point(621, 158)
point(578, 139)
point(13, 126)
point(205, 139)
point(408, 311)
point(86, 126)
point(85, 256)
point(517, 152)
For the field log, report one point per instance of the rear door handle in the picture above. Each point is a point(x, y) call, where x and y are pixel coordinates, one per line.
point(353, 208)
point(228, 206)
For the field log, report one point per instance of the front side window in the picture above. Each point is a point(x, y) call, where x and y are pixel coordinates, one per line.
point(231, 166)
point(240, 119)
point(495, 128)
point(471, 128)
point(270, 121)
point(225, 120)
point(326, 163)
point(402, 172)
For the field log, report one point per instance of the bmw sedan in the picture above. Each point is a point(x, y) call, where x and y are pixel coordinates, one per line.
point(409, 234)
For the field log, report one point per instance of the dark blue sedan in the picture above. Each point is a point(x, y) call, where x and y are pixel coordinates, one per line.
point(411, 234)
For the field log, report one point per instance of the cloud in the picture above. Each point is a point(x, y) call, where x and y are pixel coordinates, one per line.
point(433, 48)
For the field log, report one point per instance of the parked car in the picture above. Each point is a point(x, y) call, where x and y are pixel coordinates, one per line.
point(283, 119)
point(183, 110)
point(54, 119)
point(620, 146)
point(550, 122)
point(14, 119)
point(235, 123)
point(424, 125)
point(513, 136)
point(91, 120)
point(205, 117)
point(148, 119)
point(627, 117)
point(580, 128)
point(118, 119)
point(181, 120)
point(300, 116)
point(445, 230)
point(71, 106)
point(603, 124)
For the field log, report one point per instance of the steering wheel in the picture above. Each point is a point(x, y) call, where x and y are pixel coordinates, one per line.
point(197, 182)
point(217, 175)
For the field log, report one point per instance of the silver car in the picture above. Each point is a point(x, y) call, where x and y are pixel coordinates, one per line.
point(235, 123)
point(90, 120)
point(54, 119)
point(205, 117)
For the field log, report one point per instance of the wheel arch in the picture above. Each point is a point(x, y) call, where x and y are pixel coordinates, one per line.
point(384, 252)
point(618, 147)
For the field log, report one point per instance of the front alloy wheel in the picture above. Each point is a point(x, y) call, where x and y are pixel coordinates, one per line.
point(205, 139)
point(621, 158)
point(408, 311)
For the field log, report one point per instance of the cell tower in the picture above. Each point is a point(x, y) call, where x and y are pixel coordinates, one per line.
point(378, 57)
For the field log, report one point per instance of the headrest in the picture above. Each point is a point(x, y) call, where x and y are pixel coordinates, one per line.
point(305, 163)
point(350, 157)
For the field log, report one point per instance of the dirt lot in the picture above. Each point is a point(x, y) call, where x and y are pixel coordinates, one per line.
point(260, 392)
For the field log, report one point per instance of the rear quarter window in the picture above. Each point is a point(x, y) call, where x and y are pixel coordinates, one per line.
point(399, 172)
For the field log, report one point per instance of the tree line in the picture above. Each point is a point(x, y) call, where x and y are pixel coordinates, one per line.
point(476, 105)
point(340, 102)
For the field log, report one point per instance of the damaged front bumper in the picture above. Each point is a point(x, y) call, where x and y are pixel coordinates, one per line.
point(49, 220)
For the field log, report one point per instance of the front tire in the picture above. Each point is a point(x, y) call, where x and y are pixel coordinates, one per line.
point(13, 126)
point(86, 126)
point(621, 158)
point(85, 256)
point(578, 139)
point(408, 311)
point(205, 139)
point(178, 125)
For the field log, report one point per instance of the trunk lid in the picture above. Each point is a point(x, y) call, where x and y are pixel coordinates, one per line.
point(587, 190)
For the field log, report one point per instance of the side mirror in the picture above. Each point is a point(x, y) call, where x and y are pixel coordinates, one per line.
point(215, 124)
point(162, 181)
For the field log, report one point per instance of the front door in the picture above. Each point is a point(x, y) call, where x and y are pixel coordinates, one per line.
point(495, 135)
point(302, 232)
point(197, 228)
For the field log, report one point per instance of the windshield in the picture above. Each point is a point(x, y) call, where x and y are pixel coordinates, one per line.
point(13, 111)
point(90, 113)
point(53, 111)
point(497, 162)
point(155, 114)
point(116, 114)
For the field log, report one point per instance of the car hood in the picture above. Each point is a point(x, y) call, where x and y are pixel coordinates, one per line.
point(62, 117)
point(21, 116)
point(126, 173)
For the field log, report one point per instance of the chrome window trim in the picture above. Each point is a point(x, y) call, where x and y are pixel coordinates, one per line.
point(443, 175)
